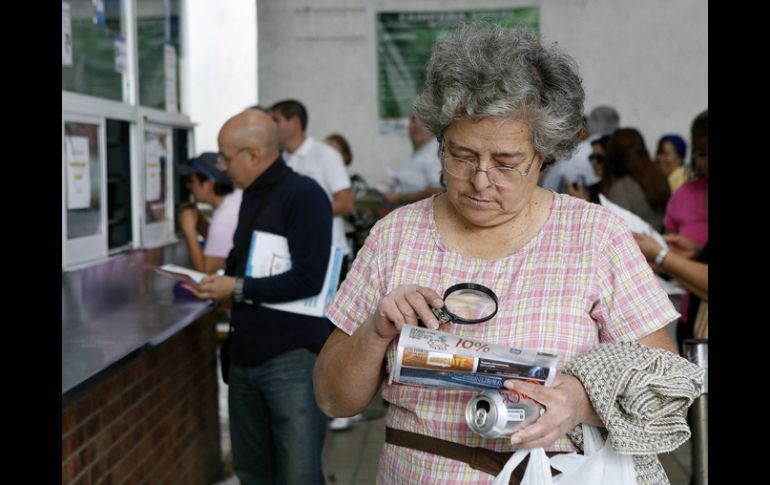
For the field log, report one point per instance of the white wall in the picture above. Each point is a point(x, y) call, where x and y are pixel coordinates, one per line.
point(648, 59)
point(219, 65)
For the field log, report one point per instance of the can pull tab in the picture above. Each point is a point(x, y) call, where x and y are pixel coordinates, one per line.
point(480, 418)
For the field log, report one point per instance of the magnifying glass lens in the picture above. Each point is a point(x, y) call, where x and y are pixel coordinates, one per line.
point(470, 304)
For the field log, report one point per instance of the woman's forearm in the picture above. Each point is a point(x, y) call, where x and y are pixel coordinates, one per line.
point(693, 275)
point(195, 252)
point(348, 371)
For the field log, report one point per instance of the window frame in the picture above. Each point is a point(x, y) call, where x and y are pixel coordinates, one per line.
point(85, 108)
point(89, 248)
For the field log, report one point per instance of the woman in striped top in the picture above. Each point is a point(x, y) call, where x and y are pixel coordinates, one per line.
point(567, 273)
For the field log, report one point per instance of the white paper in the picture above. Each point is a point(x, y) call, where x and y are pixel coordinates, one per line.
point(78, 172)
point(169, 56)
point(66, 35)
point(433, 358)
point(181, 273)
point(153, 153)
point(671, 287)
point(637, 224)
point(269, 256)
point(120, 53)
point(634, 222)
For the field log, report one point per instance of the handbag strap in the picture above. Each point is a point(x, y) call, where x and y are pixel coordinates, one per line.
point(476, 457)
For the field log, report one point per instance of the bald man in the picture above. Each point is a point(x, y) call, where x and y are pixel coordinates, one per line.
point(276, 427)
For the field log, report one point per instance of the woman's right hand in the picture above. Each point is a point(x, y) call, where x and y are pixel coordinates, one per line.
point(405, 305)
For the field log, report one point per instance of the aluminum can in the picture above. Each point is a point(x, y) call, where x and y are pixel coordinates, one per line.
point(497, 414)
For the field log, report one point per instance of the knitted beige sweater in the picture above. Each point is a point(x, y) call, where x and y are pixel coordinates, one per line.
point(640, 393)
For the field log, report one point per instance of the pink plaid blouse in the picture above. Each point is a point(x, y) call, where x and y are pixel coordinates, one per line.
point(580, 281)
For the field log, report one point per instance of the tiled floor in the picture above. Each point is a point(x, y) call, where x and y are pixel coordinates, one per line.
point(350, 457)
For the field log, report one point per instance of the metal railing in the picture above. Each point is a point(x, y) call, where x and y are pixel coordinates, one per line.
point(697, 352)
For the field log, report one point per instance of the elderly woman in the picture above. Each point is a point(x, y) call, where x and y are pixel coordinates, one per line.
point(567, 273)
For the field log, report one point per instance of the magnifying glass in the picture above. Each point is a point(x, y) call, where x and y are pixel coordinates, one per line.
point(466, 303)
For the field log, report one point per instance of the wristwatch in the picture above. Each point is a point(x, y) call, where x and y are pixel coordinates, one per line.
point(238, 290)
point(660, 257)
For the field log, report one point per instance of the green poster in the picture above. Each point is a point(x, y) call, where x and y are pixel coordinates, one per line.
point(404, 44)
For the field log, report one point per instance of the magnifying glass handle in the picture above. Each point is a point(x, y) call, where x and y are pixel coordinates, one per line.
point(440, 313)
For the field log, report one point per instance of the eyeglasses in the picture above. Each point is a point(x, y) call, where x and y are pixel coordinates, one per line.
point(226, 159)
point(504, 176)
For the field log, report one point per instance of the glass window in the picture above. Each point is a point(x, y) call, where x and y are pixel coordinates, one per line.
point(158, 53)
point(93, 34)
point(81, 143)
point(118, 185)
point(155, 158)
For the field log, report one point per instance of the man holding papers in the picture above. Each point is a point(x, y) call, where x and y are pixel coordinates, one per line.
point(276, 427)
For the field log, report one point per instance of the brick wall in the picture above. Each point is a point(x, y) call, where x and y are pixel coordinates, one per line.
point(154, 419)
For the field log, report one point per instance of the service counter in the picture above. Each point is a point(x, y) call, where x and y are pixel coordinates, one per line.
point(139, 383)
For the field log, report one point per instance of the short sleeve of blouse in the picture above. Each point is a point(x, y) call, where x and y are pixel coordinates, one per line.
point(631, 303)
point(359, 293)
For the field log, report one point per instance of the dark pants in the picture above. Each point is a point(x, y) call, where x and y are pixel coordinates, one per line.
point(276, 428)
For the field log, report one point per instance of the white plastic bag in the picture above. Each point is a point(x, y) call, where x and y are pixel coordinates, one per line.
point(599, 465)
point(538, 470)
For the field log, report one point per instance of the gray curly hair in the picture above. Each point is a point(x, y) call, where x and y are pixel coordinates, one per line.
point(487, 70)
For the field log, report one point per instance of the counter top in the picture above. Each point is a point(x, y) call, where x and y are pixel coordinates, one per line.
point(94, 338)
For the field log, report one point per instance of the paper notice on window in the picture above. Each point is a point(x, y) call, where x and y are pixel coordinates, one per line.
point(169, 56)
point(100, 17)
point(153, 154)
point(637, 224)
point(269, 256)
point(78, 172)
point(120, 53)
point(66, 35)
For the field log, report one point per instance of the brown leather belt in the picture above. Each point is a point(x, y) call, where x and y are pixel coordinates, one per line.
point(477, 458)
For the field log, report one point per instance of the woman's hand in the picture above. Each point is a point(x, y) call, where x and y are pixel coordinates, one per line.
point(650, 248)
point(566, 405)
point(576, 189)
point(213, 287)
point(405, 305)
point(683, 245)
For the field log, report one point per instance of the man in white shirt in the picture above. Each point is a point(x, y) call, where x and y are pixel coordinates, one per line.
point(209, 185)
point(419, 177)
point(316, 160)
point(575, 169)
